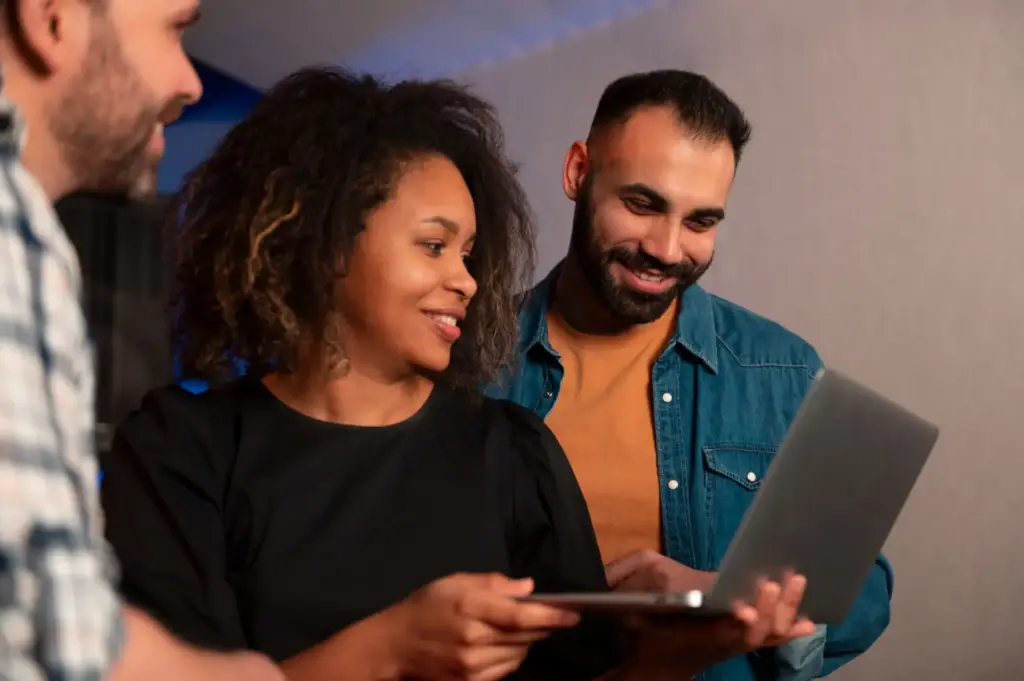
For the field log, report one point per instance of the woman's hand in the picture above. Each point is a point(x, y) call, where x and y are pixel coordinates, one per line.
point(467, 627)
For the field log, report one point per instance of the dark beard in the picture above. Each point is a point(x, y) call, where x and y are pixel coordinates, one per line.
point(104, 122)
point(627, 305)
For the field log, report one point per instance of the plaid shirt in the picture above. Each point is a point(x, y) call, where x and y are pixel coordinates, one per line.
point(59, 615)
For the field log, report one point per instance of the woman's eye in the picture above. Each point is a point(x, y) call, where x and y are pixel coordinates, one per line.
point(434, 248)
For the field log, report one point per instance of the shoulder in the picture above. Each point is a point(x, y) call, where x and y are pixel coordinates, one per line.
point(172, 405)
point(29, 223)
point(752, 340)
point(525, 442)
point(177, 428)
point(518, 422)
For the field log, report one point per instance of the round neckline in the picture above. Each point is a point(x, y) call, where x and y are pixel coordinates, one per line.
point(281, 406)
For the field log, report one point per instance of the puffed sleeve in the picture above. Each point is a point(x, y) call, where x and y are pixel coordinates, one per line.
point(553, 542)
point(162, 491)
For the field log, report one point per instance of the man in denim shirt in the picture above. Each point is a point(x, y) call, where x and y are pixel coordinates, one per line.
point(669, 401)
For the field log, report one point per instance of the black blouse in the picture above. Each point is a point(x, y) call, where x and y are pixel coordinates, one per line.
point(241, 523)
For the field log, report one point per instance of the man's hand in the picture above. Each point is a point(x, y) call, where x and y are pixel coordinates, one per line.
point(675, 648)
point(647, 570)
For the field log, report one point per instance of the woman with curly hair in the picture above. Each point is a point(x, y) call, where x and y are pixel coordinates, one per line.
point(351, 504)
point(352, 507)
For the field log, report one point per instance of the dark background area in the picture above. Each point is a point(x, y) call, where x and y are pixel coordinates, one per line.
point(126, 279)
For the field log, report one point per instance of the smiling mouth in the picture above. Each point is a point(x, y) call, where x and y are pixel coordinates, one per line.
point(649, 276)
point(446, 319)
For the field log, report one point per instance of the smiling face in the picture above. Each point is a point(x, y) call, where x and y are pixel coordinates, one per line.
point(649, 198)
point(407, 287)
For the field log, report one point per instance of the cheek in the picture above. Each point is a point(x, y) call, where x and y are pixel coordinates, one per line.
point(614, 225)
point(396, 289)
point(702, 246)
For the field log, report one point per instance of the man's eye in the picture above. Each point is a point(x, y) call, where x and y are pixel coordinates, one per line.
point(703, 225)
point(637, 205)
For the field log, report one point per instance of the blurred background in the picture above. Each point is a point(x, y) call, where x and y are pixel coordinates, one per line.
point(877, 213)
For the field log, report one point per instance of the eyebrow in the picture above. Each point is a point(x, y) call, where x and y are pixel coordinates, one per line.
point(448, 225)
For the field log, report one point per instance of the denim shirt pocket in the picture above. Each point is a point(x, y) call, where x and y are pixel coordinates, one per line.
point(733, 474)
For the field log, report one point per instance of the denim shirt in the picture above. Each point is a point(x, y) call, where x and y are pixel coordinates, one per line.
point(724, 392)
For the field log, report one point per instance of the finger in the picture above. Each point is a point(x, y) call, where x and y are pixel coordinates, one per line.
point(512, 587)
point(481, 661)
point(802, 627)
point(619, 569)
point(789, 605)
point(493, 581)
point(499, 670)
point(635, 581)
point(504, 613)
point(767, 600)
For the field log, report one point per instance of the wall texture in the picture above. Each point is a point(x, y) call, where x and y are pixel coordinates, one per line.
point(878, 213)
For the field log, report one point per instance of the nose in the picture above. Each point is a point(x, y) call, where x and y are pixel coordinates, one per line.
point(461, 281)
point(665, 242)
point(191, 87)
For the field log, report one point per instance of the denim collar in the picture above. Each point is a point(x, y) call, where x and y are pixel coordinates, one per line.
point(695, 329)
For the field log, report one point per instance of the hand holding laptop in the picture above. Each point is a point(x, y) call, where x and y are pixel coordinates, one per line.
point(667, 647)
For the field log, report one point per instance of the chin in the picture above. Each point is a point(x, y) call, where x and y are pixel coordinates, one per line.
point(434, 363)
point(144, 188)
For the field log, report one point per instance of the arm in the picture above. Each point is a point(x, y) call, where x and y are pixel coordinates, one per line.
point(868, 618)
point(162, 494)
point(59, 616)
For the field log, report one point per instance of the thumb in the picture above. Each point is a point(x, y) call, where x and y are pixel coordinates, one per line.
point(496, 582)
point(512, 587)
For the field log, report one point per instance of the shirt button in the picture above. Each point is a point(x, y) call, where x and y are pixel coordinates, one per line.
point(548, 394)
point(752, 476)
point(673, 484)
point(666, 397)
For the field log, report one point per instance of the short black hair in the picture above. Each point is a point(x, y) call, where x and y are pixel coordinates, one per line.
point(268, 220)
point(703, 108)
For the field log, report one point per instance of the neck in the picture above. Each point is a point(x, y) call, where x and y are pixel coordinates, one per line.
point(42, 155)
point(356, 399)
point(575, 300)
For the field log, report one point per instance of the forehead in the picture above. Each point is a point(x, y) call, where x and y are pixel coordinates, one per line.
point(434, 186)
point(652, 147)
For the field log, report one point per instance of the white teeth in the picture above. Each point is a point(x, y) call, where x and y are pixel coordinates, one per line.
point(648, 277)
point(446, 319)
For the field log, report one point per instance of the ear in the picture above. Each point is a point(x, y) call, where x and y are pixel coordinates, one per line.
point(574, 172)
point(50, 34)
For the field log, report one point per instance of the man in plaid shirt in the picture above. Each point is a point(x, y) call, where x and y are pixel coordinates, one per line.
point(95, 81)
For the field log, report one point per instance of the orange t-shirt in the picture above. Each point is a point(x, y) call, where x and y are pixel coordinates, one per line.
point(603, 419)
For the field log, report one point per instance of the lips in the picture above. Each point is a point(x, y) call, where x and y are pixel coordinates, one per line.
point(647, 281)
point(446, 323)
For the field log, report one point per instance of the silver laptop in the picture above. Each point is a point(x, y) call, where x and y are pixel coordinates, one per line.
point(827, 504)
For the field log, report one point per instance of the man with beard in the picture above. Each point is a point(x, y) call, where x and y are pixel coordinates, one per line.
point(669, 401)
point(94, 81)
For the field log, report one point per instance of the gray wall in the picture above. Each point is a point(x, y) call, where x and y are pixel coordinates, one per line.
point(878, 213)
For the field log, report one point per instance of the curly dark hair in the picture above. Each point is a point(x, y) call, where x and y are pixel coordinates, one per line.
point(268, 221)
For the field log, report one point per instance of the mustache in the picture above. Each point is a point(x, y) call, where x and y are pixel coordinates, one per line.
point(641, 260)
